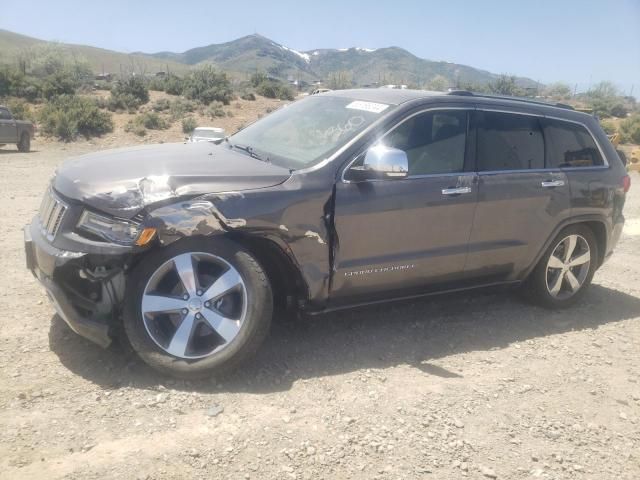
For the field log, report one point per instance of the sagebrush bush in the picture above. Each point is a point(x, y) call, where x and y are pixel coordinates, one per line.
point(630, 129)
point(275, 89)
point(68, 116)
point(122, 102)
point(59, 83)
point(133, 85)
point(608, 126)
point(20, 109)
point(207, 85)
point(173, 84)
point(215, 110)
point(179, 107)
point(161, 105)
point(189, 124)
point(148, 120)
point(248, 96)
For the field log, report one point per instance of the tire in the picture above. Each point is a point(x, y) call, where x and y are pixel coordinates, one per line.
point(206, 351)
point(539, 287)
point(25, 143)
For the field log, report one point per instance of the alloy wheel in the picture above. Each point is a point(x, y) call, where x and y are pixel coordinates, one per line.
point(568, 267)
point(194, 305)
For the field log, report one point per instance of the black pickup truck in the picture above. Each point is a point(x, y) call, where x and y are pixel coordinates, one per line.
point(18, 132)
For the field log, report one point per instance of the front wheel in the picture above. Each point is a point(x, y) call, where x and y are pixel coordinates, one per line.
point(565, 270)
point(25, 143)
point(198, 308)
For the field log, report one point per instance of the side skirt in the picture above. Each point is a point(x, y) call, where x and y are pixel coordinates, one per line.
point(334, 308)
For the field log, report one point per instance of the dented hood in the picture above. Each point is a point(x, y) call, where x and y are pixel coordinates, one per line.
point(122, 182)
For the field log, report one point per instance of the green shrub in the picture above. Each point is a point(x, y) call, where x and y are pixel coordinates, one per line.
point(123, 102)
point(275, 89)
point(215, 110)
point(608, 126)
point(206, 85)
point(189, 124)
point(59, 83)
point(173, 84)
point(258, 78)
point(506, 85)
point(133, 86)
point(630, 129)
point(153, 121)
point(180, 107)
point(20, 109)
point(161, 105)
point(148, 120)
point(14, 83)
point(136, 128)
point(68, 116)
point(248, 96)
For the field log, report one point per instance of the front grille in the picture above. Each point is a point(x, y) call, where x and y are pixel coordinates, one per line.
point(51, 212)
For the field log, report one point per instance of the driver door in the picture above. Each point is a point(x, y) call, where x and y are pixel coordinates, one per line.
point(404, 234)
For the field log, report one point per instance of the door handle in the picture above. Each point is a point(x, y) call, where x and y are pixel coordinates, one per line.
point(552, 183)
point(456, 190)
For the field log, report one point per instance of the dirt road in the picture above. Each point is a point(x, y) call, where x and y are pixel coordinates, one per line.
point(474, 385)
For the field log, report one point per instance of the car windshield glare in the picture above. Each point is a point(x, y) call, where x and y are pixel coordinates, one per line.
point(306, 132)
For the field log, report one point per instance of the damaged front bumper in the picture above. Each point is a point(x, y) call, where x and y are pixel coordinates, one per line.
point(86, 289)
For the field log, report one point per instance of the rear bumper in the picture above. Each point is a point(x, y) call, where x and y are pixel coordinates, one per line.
point(44, 261)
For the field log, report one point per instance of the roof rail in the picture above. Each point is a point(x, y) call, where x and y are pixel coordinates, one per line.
point(467, 93)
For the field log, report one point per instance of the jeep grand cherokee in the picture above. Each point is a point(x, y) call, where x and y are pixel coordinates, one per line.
point(344, 198)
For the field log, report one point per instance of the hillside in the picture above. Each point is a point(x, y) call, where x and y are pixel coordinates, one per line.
point(101, 60)
point(367, 66)
point(246, 55)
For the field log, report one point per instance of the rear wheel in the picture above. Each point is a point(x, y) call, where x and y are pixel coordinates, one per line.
point(199, 307)
point(565, 270)
point(24, 145)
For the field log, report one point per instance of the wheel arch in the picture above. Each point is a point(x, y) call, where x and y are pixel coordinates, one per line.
point(288, 285)
point(596, 224)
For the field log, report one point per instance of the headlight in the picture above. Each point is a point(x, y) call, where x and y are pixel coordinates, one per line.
point(112, 230)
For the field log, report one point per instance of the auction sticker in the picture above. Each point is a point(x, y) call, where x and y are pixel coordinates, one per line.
point(367, 106)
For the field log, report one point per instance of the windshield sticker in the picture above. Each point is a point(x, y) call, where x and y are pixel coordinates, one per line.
point(368, 106)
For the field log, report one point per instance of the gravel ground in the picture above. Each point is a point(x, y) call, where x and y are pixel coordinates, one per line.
point(475, 385)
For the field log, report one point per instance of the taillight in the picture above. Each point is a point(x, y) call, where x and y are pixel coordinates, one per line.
point(626, 183)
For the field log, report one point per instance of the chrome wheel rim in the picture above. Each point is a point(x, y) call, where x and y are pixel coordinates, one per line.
point(568, 267)
point(194, 305)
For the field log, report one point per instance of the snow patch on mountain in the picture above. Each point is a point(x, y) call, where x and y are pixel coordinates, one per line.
point(304, 56)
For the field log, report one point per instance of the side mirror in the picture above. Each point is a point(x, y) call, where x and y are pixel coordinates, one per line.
point(381, 162)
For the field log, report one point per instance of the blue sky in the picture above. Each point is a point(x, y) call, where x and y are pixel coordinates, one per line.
point(574, 41)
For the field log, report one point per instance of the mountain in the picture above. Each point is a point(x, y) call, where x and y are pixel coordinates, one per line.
point(246, 55)
point(366, 66)
point(101, 60)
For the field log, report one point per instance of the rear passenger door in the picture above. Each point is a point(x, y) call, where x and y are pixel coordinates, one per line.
point(521, 198)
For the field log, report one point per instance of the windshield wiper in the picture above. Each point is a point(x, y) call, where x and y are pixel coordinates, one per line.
point(248, 149)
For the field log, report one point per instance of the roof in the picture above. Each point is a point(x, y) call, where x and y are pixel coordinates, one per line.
point(398, 96)
point(392, 96)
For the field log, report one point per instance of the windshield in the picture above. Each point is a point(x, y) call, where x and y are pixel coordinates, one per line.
point(207, 133)
point(308, 131)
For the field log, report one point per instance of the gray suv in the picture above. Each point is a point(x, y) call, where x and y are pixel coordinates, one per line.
point(344, 198)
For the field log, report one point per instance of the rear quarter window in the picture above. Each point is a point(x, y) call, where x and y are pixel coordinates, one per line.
point(570, 145)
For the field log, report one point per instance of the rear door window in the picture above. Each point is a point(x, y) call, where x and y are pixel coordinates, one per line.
point(508, 141)
point(570, 145)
